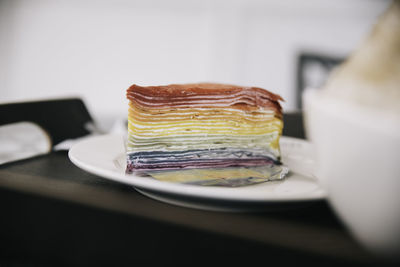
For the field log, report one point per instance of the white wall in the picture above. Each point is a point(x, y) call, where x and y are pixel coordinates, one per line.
point(96, 49)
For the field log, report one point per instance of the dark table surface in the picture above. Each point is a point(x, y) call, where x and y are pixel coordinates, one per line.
point(53, 213)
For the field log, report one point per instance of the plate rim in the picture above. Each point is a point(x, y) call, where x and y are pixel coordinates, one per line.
point(196, 191)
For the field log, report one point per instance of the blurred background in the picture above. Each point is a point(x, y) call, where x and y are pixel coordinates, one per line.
point(97, 49)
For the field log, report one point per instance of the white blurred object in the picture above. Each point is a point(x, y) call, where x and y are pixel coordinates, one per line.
point(354, 124)
point(118, 127)
point(68, 143)
point(22, 140)
point(371, 76)
point(357, 152)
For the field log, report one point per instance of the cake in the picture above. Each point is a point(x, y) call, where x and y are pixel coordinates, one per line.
point(202, 126)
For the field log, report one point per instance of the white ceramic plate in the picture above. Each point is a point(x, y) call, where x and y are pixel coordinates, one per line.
point(105, 156)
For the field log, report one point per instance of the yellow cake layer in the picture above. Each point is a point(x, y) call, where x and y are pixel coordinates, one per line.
point(169, 124)
point(188, 176)
point(203, 127)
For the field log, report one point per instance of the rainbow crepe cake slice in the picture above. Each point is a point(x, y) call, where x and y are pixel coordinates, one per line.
point(202, 126)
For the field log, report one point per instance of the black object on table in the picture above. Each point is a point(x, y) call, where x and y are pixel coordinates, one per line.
point(55, 214)
point(61, 118)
